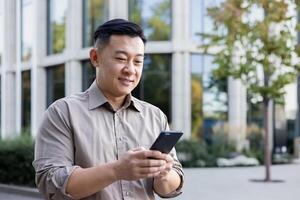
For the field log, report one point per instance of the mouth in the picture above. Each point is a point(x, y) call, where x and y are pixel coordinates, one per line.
point(126, 81)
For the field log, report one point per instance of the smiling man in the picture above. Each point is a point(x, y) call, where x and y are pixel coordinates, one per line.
point(93, 145)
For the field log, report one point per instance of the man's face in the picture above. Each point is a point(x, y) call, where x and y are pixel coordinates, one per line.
point(120, 65)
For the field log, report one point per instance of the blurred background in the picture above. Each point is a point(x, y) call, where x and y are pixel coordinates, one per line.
point(44, 56)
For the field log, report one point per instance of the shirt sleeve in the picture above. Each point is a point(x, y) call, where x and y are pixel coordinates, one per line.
point(54, 152)
point(177, 167)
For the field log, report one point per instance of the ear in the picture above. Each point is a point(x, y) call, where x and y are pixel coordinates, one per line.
point(94, 57)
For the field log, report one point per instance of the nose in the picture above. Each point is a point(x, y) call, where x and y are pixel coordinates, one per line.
point(130, 68)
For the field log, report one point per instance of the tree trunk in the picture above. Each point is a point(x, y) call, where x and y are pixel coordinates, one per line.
point(267, 151)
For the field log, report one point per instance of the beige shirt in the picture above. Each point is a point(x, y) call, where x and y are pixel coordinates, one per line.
point(83, 130)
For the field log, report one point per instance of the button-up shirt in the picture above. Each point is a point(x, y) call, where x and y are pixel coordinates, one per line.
point(83, 130)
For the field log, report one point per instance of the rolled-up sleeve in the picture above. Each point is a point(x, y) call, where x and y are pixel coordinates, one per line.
point(54, 152)
point(177, 167)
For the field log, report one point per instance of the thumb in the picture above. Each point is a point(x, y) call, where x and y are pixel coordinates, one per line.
point(140, 148)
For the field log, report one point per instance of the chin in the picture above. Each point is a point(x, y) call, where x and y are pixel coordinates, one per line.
point(124, 92)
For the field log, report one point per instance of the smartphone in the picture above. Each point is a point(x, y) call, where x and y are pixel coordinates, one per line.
point(166, 141)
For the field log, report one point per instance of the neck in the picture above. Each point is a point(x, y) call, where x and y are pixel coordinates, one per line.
point(114, 101)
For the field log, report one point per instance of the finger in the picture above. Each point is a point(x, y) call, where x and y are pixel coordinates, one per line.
point(151, 170)
point(169, 158)
point(152, 163)
point(150, 154)
point(140, 148)
point(152, 175)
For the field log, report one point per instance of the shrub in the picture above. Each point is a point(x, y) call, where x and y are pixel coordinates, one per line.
point(16, 156)
point(192, 153)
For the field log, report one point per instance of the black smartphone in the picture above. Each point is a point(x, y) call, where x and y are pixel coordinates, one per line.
point(166, 141)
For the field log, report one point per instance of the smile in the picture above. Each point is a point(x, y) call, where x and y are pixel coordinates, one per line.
point(126, 81)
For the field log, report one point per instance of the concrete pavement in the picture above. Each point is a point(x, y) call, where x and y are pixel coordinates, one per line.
point(227, 183)
point(235, 184)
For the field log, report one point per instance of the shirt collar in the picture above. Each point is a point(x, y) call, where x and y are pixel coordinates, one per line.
point(97, 98)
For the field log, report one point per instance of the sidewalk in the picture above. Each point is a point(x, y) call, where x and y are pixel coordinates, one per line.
point(10, 192)
point(216, 184)
point(234, 184)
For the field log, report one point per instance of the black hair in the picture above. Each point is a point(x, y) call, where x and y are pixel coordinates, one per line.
point(117, 27)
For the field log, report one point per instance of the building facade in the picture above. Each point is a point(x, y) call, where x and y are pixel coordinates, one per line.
point(44, 51)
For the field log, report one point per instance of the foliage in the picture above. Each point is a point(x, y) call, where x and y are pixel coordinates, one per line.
point(256, 142)
point(256, 45)
point(192, 153)
point(16, 156)
point(197, 153)
point(255, 42)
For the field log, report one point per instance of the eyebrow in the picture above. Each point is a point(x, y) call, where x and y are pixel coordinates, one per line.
point(124, 52)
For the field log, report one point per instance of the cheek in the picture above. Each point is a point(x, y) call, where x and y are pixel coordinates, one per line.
point(139, 73)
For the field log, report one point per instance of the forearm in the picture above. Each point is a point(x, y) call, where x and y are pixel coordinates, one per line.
point(85, 182)
point(166, 186)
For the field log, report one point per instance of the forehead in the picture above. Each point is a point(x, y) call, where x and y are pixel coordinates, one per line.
point(126, 43)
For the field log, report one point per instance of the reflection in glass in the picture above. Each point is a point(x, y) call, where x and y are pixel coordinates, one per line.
point(88, 74)
point(154, 16)
point(95, 13)
point(215, 94)
point(209, 97)
point(0, 107)
point(56, 26)
point(55, 83)
point(196, 96)
point(26, 30)
point(200, 21)
point(26, 102)
point(1, 34)
point(155, 84)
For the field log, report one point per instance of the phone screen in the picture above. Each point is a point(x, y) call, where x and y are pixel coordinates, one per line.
point(166, 141)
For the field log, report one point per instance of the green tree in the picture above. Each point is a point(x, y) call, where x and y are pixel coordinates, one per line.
point(255, 41)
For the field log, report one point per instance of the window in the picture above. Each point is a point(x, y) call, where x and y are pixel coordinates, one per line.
point(200, 21)
point(1, 33)
point(196, 97)
point(209, 97)
point(0, 107)
point(56, 26)
point(95, 13)
point(26, 30)
point(155, 84)
point(26, 101)
point(55, 83)
point(154, 16)
point(88, 74)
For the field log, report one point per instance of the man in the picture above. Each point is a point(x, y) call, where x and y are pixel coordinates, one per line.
point(93, 145)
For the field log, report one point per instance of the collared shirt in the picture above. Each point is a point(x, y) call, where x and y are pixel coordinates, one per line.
point(83, 130)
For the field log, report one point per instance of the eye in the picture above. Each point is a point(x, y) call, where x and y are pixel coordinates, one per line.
point(121, 59)
point(139, 62)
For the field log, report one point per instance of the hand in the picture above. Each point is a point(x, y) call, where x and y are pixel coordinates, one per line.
point(163, 175)
point(140, 163)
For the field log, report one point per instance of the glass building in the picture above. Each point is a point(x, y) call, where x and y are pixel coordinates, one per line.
point(46, 57)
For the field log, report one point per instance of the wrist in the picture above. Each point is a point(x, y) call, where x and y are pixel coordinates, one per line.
point(114, 166)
